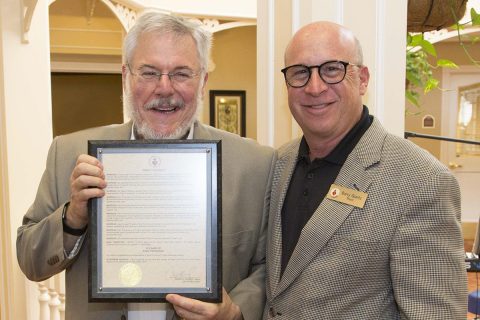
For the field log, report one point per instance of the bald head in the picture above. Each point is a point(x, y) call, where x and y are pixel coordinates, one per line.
point(323, 35)
point(325, 80)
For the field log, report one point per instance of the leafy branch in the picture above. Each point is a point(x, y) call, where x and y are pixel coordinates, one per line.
point(475, 21)
point(419, 71)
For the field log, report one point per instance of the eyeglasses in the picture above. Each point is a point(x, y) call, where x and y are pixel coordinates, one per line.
point(150, 75)
point(330, 72)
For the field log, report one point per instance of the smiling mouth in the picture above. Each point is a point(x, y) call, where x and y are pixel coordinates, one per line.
point(164, 109)
point(164, 105)
point(318, 106)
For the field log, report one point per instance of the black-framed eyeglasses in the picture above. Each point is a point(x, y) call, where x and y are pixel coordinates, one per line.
point(330, 72)
point(150, 75)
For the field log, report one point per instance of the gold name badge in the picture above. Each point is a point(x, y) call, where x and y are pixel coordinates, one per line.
point(348, 196)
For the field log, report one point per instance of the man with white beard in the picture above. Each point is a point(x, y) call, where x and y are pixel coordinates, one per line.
point(164, 75)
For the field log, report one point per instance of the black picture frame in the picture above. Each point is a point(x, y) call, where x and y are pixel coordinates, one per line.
point(127, 270)
point(228, 110)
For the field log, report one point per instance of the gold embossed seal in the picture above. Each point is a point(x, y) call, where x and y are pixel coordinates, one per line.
point(130, 274)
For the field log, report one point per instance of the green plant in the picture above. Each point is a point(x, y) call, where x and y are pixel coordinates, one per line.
point(421, 59)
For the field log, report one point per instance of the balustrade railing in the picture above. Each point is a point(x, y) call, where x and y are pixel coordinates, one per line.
point(51, 298)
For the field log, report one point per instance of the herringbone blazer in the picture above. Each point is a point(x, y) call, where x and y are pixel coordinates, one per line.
point(247, 171)
point(398, 257)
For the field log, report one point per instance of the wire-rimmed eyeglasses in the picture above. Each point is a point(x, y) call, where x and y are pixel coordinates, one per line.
point(330, 72)
point(151, 75)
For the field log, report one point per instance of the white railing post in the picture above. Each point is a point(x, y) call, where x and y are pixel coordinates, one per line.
point(60, 285)
point(61, 308)
point(54, 301)
point(54, 304)
point(51, 299)
point(43, 299)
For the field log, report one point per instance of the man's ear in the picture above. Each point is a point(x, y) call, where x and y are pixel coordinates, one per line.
point(205, 78)
point(364, 77)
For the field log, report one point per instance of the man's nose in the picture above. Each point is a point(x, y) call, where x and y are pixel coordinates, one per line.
point(164, 85)
point(315, 84)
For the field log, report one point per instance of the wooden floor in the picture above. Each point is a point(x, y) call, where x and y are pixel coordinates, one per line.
point(473, 279)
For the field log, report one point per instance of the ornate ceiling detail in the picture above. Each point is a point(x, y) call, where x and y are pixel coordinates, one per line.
point(91, 4)
point(208, 23)
point(28, 7)
point(213, 25)
point(126, 15)
point(231, 25)
point(126, 12)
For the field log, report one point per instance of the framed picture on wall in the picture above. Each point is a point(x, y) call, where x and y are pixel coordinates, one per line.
point(227, 110)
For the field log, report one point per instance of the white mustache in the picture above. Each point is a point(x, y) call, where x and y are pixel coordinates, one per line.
point(164, 103)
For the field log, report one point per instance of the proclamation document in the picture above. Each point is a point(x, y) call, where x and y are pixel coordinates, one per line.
point(154, 225)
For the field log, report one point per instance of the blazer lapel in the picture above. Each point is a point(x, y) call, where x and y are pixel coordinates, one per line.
point(284, 168)
point(356, 173)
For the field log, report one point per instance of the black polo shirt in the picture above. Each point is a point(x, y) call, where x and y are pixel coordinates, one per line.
point(310, 183)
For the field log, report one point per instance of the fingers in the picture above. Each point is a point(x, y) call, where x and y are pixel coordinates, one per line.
point(85, 186)
point(87, 165)
point(188, 308)
point(86, 181)
point(192, 309)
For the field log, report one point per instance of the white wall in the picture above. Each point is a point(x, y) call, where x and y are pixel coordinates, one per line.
point(27, 110)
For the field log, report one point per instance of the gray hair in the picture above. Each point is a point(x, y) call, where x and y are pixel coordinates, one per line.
point(157, 21)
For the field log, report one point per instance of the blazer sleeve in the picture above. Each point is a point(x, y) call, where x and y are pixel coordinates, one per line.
point(249, 294)
point(427, 262)
point(40, 251)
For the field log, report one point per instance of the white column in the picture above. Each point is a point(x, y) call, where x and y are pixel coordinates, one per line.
point(26, 106)
point(380, 26)
point(265, 72)
point(274, 28)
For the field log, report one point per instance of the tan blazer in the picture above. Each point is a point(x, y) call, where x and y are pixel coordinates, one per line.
point(398, 257)
point(247, 170)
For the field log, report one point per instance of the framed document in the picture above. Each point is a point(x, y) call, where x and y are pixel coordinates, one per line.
point(157, 230)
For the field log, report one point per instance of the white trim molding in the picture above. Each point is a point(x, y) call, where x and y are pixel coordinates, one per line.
point(28, 8)
point(86, 67)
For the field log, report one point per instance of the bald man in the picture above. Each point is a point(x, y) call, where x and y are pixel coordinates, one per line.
point(363, 224)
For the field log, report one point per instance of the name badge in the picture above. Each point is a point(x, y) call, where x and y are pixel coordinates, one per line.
point(348, 196)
